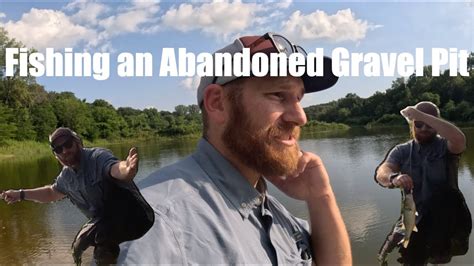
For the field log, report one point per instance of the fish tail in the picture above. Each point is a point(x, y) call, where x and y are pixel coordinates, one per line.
point(406, 242)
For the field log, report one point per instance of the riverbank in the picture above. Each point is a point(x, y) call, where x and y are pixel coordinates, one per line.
point(29, 150)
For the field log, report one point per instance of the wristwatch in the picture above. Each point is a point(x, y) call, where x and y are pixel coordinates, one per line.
point(391, 177)
point(22, 194)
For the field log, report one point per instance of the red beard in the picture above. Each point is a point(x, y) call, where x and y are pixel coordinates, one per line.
point(258, 147)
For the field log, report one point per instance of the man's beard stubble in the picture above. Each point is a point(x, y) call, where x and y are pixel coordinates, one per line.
point(257, 148)
point(425, 139)
point(74, 158)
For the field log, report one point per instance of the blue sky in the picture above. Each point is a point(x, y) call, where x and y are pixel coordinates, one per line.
point(205, 26)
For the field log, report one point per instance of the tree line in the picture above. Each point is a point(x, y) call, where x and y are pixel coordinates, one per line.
point(454, 95)
point(29, 112)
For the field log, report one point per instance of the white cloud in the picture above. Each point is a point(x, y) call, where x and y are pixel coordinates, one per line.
point(279, 3)
point(145, 3)
point(191, 83)
point(342, 26)
point(217, 18)
point(82, 22)
point(42, 28)
point(93, 24)
point(87, 12)
point(130, 19)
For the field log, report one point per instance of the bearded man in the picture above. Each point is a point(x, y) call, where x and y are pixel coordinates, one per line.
point(101, 187)
point(213, 206)
point(427, 167)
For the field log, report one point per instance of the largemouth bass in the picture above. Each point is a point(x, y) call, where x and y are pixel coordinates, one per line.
point(408, 212)
point(402, 229)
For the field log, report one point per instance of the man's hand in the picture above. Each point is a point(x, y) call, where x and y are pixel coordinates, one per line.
point(126, 170)
point(310, 180)
point(329, 238)
point(11, 196)
point(132, 163)
point(403, 181)
point(411, 113)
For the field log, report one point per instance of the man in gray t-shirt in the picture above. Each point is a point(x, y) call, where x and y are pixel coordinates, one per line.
point(213, 206)
point(101, 187)
point(426, 166)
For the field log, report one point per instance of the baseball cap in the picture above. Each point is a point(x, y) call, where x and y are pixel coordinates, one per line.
point(428, 108)
point(311, 84)
point(62, 132)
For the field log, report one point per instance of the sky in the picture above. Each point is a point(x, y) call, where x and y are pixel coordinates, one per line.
point(141, 26)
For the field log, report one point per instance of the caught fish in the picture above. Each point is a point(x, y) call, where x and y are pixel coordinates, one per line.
point(409, 214)
point(402, 229)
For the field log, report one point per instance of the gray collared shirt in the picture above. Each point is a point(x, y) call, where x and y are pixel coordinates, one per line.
point(84, 187)
point(206, 212)
point(426, 164)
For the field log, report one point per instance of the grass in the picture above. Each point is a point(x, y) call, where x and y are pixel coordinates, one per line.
point(26, 150)
point(325, 127)
point(29, 150)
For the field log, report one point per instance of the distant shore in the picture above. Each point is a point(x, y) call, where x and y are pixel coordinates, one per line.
point(14, 150)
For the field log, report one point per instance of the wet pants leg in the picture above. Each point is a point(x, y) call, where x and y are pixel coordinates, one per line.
point(417, 251)
point(94, 234)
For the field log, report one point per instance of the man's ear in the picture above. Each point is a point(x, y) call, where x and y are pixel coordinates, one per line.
point(215, 103)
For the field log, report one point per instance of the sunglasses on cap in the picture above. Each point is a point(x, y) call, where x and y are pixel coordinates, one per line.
point(419, 125)
point(59, 149)
point(280, 43)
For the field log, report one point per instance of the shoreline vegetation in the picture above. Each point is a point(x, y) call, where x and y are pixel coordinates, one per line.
point(25, 150)
point(15, 150)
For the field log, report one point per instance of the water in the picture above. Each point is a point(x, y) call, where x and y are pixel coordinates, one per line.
point(42, 233)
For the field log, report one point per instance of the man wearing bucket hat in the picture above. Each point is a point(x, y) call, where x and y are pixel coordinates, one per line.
point(427, 166)
point(101, 187)
point(213, 207)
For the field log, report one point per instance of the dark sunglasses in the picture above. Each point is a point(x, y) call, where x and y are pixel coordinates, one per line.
point(419, 125)
point(281, 44)
point(59, 149)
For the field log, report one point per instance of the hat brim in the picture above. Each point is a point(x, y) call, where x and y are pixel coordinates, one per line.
point(313, 84)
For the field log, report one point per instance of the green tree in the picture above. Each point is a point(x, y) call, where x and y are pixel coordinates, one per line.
point(448, 111)
point(464, 112)
point(74, 113)
point(155, 119)
point(108, 122)
point(431, 97)
point(44, 120)
point(24, 125)
point(7, 127)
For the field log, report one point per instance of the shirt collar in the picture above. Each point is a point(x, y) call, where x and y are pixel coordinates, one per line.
point(233, 186)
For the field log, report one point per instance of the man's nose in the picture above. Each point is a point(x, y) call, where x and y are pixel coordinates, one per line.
point(67, 150)
point(295, 114)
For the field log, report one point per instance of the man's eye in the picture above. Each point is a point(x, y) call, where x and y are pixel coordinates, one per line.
point(277, 96)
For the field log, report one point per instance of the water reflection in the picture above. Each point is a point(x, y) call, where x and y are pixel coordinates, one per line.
point(42, 233)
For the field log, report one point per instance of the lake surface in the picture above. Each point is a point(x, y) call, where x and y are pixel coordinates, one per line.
point(42, 233)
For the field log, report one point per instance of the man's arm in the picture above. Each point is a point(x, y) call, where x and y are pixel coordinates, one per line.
point(127, 169)
point(386, 170)
point(42, 195)
point(455, 137)
point(329, 238)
